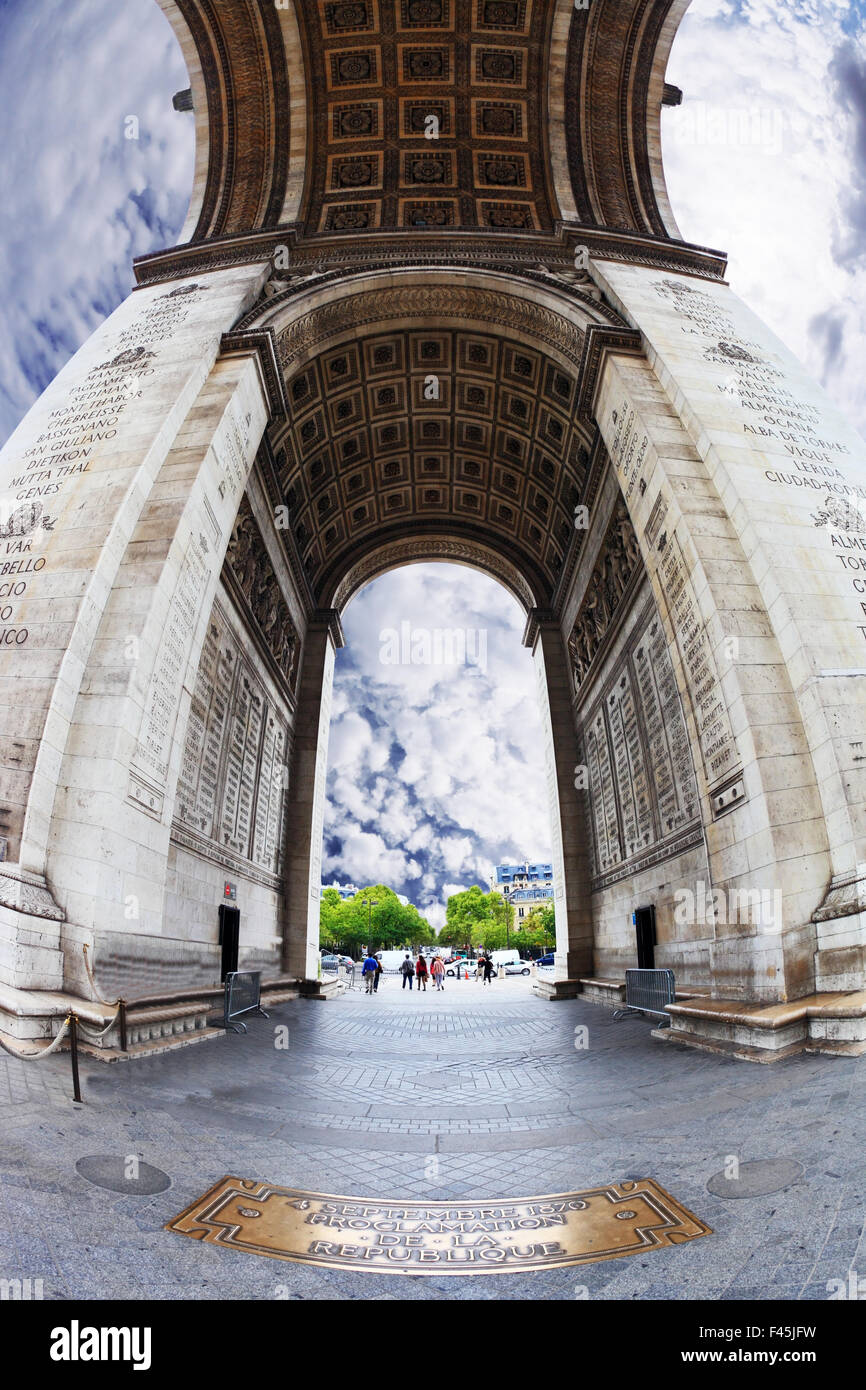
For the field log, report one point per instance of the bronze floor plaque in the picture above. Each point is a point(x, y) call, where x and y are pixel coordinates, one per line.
point(463, 1237)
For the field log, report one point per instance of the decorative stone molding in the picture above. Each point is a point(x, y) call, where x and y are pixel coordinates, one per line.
point(28, 893)
point(535, 620)
point(420, 548)
point(599, 341)
point(845, 897)
point(336, 259)
point(549, 269)
point(420, 302)
point(264, 342)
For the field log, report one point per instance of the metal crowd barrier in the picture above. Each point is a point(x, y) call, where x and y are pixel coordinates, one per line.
point(243, 996)
point(648, 992)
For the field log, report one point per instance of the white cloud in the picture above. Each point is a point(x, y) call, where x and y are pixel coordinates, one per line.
point(465, 782)
point(766, 159)
point(77, 199)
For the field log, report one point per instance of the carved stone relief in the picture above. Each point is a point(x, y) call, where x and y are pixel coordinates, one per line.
point(248, 560)
point(618, 561)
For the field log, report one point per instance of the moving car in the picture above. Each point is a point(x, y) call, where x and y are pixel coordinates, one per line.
point(517, 967)
point(546, 962)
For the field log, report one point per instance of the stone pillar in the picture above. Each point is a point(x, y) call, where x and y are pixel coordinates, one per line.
point(748, 494)
point(307, 787)
point(118, 494)
point(568, 824)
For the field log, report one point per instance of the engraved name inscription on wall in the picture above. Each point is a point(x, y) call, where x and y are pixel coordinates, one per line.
point(642, 784)
point(231, 789)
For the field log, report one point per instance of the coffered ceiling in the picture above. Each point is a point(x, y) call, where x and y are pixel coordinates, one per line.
point(399, 433)
point(330, 123)
point(427, 114)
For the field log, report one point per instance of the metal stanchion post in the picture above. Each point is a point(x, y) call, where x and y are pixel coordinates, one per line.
point(121, 1009)
point(73, 1049)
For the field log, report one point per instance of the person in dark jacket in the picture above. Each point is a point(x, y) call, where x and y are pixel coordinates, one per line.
point(407, 970)
point(488, 969)
point(380, 970)
point(421, 972)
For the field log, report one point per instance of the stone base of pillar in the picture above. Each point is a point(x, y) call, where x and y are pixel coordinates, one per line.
point(840, 925)
point(319, 989)
point(556, 989)
point(31, 956)
point(830, 1023)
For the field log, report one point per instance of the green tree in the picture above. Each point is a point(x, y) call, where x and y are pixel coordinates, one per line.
point(537, 933)
point(329, 918)
point(465, 913)
point(476, 918)
point(350, 925)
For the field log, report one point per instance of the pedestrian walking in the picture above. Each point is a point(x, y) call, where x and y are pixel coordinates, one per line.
point(437, 970)
point(407, 970)
point(380, 970)
point(370, 971)
point(421, 973)
point(488, 970)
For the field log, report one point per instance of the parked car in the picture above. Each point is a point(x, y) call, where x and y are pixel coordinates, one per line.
point(546, 962)
point(332, 962)
point(459, 967)
point(517, 967)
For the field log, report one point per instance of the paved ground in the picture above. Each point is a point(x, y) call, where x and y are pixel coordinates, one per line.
point(478, 1092)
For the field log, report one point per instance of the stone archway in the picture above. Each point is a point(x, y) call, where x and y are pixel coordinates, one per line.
point(698, 634)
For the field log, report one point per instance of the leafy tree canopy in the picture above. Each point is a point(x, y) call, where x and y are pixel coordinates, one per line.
point(349, 925)
point(476, 918)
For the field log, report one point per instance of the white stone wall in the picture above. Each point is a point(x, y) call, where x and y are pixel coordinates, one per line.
point(118, 491)
point(748, 492)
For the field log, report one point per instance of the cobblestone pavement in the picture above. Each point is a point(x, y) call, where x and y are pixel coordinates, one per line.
point(476, 1093)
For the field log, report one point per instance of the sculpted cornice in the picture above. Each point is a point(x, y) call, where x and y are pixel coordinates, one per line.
point(431, 302)
point(339, 257)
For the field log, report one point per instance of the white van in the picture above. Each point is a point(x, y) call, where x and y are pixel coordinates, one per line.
point(511, 957)
point(392, 960)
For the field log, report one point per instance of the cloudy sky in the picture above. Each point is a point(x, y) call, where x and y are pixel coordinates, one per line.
point(436, 771)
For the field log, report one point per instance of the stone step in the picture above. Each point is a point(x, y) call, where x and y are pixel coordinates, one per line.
point(726, 1047)
point(149, 1025)
point(837, 1048)
point(152, 1047)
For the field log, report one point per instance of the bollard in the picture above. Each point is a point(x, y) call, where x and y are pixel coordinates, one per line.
point(121, 1009)
point(73, 1051)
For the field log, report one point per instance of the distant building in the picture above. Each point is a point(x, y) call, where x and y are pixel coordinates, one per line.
point(345, 890)
point(526, 886)
point(527, 900)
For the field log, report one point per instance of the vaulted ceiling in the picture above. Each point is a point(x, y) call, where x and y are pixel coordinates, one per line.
point(388, 144)
point(402, 432)
point(334, 122)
